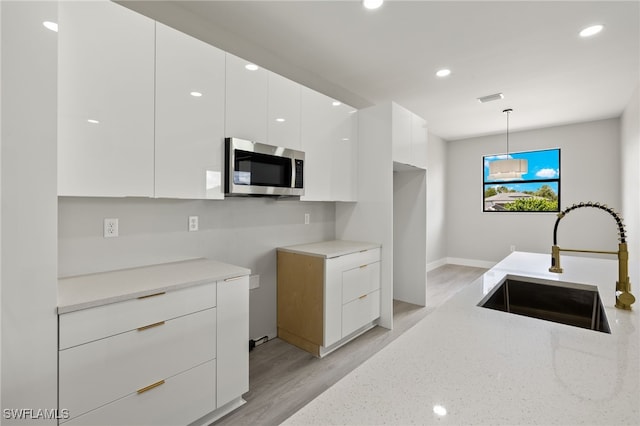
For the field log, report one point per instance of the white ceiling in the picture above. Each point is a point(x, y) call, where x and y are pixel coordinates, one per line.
point(530, 51)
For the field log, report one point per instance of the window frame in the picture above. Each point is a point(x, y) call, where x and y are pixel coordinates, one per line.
point(520, 154)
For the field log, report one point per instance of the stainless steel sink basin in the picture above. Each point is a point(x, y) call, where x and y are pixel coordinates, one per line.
point(565, 303)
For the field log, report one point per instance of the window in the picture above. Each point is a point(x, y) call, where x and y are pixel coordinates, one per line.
point(536, 191)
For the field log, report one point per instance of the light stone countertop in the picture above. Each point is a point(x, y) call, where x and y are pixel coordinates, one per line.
point(494, 368)
point(91, 290)
point(330, 249)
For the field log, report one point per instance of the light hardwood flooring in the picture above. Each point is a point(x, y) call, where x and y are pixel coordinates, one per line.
point(284, 378)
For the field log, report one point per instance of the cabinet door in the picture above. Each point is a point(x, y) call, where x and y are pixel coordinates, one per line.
point(246, 100)
point(419, 141)
point(105, 100)
point(344, 163)
point(318, 140)
point(190, 79)
point(284, 112)
point(233, 339)
point(401, 134)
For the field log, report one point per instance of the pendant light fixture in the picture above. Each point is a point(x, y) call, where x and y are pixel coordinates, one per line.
point(507, 168)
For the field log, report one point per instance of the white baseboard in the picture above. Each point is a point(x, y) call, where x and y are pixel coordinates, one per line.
point(438, 263)
point(471, 262)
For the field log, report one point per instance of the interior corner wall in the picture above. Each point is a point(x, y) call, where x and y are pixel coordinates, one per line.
point(29, 212)
point(630, 180)
point(590, 164)
point(436, 201)
point(409, 234)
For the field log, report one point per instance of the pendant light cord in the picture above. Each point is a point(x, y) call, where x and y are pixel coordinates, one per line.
point(507, 111)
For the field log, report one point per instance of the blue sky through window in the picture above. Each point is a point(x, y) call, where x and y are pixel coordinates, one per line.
point(542, 165)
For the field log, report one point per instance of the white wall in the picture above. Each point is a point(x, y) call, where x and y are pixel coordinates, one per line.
point(409, 233)
point(590, 171)
point(436, 202)
point(29, 209)
point(630, 163)
point(241, 231)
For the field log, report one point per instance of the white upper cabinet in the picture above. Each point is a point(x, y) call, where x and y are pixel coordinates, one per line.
point(189, 139)
point(246, 100)
point(409, 137)
point(401, 134)
point(344, 164)
point(419, 141)
point(105, 100)
point(284, 112)
point(317, 145)
point(329, 140)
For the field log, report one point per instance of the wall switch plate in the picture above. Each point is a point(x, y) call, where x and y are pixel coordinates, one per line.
point(513, 248)
point(254, 281)
point(193, 223)
point(306, 218)
point(110, 227)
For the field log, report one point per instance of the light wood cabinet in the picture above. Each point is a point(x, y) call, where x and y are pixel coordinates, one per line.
point(327, 298)
point(105, 100)
point(190, 101)
point(330, 141)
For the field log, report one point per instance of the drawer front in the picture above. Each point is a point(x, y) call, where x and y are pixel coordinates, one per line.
point(102, 371)
point(360, 281)
point(103, 321)
point(360, 312)
point(354, 260)
point(180, 400)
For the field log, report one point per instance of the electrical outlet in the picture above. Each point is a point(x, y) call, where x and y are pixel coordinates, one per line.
point(110, 227)
point(513, 248)
point(306, 218)
point(193, 223)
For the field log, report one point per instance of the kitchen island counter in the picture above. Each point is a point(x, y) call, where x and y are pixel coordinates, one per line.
point(483, 366)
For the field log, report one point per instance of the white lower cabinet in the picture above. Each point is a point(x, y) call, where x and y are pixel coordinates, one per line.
point(325, 302)
point(167, 358)
point(180, 399)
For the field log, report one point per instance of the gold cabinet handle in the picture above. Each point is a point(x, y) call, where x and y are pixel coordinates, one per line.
point(234, 278)
point(362, 297)
point(151, 386)
point(146, 327)
point(363, 266)
point(152, 295)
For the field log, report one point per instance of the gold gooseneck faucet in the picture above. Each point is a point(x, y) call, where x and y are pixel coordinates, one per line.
point(624, 298)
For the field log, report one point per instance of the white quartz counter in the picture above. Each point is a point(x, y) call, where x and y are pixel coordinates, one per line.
point(329, 249)
point(87, 291)
point(488, 367)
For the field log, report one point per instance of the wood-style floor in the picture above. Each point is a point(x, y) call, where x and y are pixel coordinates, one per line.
point(283, 378)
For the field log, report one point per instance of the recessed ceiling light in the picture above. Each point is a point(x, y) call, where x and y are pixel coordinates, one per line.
point(196, 94)
point(280, 120)
point(443, 72)
point(372, 4)
point(50, 25)
point(592, 30)
point(93, 121)
point(439, 410)
point(336, 103)
point(252, 67)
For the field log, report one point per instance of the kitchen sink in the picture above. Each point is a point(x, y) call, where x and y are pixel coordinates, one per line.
point(565, 303)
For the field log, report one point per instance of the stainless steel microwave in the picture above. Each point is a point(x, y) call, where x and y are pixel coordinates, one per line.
point(254, 168)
